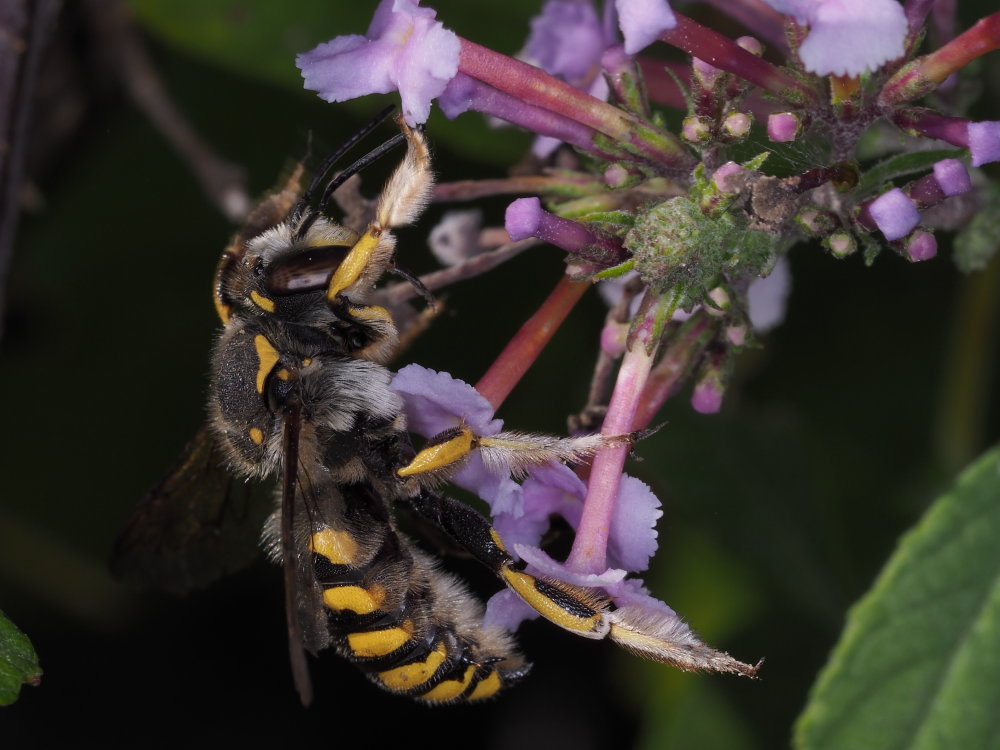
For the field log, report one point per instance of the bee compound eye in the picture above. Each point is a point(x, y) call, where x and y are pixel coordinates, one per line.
point(306, 271)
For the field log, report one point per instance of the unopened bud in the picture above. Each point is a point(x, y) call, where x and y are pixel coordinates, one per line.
point(736, 335)
point(720, 299)
point(921, 245)
point(723, 178)
point(706, 74)
point(783, 127)
point(737, 125)
point(706, 397)
point(816, 221)
point(696, 129)
point(751, 45)
point(841, 244)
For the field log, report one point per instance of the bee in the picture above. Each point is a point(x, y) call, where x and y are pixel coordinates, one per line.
point(300, 391)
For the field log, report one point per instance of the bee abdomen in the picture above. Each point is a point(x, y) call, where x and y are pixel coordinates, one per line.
point(412, 629)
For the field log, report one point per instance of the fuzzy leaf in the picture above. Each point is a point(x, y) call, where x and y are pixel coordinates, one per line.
point(917, 664)
point(18, 662)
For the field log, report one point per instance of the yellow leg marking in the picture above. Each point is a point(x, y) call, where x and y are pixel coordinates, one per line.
point(449, 689)
point(262, 302)
point(257, 435)
point(496, 539)
point(355, 263)
point(354, 599)
point(440, 455)
point(283, 374)
point(486, 687)
point(414, 675)
point(524, 585)
point(267, 355)
point(306, 362)
point(335, 545)
point(370, 312)
point(380, 642)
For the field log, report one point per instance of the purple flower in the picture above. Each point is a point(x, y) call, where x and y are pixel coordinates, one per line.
point(404, 49)
point(847, 37)
point(984, 142)
point(567, 40)
point(952, 177)
point(894, 214)
point(642, 21)
point(767, 297)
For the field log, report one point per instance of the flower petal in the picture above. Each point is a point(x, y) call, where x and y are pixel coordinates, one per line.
point(642, 21)
point(632, 540)
point(850, 37)
point(405, 49)
point(507, 610)
point(435, 402)
point(539, 563)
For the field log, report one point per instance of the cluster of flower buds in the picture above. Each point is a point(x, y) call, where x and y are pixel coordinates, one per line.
point(687, 238)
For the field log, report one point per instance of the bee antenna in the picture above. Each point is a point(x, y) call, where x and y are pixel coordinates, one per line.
point(369, 158)
point(332, 159)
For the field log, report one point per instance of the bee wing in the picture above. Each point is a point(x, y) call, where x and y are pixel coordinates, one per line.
point(300, 504)
point(197, 525)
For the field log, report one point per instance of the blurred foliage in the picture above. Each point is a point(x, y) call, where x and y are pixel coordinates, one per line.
point(779, 511)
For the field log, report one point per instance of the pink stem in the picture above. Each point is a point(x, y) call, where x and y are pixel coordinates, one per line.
point(722, 52)
point(589, 553)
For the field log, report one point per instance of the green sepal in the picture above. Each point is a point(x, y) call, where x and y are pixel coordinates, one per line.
point(615, 271)
point(902, 165)
point(612, 222)
point(18, 661)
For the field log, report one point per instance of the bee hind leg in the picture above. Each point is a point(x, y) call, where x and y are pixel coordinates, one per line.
point(661, 637)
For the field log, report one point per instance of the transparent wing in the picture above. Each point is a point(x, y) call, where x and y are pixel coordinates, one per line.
point(198, 524)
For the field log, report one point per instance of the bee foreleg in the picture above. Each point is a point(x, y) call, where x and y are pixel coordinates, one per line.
point(403, 199)
point(511, 453)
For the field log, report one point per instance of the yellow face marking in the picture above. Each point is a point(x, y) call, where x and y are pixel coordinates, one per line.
point(354, 264)
point(283, 374)
point(486, 687)
point(354, 599)
point(262, 302)
point(524, 585)
point(267, 355)
point(449, 689)
point(257, 435)
point(380, 642)
point(413, 675)
point(440, 455)
point(335, 545)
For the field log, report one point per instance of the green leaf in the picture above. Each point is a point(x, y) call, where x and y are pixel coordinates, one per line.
point(18, 662)
point(903, 165)
point(917, 664)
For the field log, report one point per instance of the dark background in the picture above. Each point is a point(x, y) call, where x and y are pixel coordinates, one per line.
point(778, 512)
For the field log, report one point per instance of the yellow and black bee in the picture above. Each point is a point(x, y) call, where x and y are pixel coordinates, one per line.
point(300, 391)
